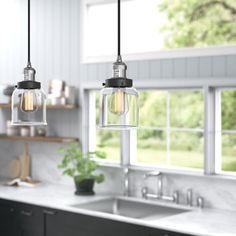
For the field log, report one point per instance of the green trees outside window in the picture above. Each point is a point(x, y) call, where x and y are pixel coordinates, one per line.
point(198, 23)
point(228, 130)
point(171, 131)
point(171, 128)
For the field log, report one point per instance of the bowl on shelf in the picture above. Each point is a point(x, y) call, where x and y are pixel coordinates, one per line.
point(8, 92)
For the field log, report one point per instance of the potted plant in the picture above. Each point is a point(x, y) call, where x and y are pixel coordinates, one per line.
point(81, 167)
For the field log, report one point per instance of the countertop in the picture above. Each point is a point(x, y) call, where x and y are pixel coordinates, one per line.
point(206, 222)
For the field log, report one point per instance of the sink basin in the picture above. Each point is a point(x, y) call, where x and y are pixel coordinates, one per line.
point(131, 208)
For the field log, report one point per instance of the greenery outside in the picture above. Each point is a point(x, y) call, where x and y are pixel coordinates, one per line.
point(186, 148)
point(158, 140)
point(228, 111)
point(198, 23)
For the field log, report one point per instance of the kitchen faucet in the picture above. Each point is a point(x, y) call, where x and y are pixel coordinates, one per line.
point(159, 195)
point(159, 185)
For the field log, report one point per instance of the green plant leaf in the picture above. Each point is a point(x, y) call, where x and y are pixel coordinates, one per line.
point(80, 165)
point(100, 154)
point(99, 178)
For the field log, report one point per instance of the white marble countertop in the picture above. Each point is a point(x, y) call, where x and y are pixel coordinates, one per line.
point(206, 222)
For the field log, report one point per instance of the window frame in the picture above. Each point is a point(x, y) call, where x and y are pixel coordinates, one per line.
point(89, 124)
point(220, 131)
point(217, 50)
point(210, 87)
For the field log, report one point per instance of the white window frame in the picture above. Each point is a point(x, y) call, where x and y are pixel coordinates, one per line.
point(211, 109)
point(220, 131)
point(89, 125)
point(162, 54)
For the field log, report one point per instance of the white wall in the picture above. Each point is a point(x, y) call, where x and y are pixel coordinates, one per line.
point(55, 54)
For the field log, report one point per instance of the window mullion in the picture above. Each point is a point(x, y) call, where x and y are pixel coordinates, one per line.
point(168, 127)
point(90, 116)
point(128, 146)
point(218, 129)
point(209, 133)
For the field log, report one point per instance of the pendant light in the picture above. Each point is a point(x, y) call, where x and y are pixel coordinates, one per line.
point(28, 100)
point(119, 107)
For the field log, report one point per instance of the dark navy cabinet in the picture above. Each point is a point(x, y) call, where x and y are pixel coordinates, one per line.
point(7, 212)
point(28, 220)
point(18, 219)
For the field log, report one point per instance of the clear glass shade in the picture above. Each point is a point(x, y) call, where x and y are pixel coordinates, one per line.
point(28, 107)
point(119, 108)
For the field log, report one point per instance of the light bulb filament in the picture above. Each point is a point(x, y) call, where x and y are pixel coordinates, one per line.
point(29, 102)
point(119, 103)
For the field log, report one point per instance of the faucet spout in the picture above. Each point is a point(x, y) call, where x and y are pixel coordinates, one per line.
point(159, 194)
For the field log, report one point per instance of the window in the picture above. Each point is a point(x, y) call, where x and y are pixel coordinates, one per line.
point(180, 129)
point(171, 128)
point(154, 25)
point(228, 130)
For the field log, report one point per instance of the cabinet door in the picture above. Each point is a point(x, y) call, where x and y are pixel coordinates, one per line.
point(7, 212)
point(28, 220)
point(60, 223)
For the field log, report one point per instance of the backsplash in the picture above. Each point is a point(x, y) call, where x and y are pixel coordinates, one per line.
point(217, 193)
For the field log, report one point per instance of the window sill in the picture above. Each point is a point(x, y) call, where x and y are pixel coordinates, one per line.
point(114, 164)
point(186, 172)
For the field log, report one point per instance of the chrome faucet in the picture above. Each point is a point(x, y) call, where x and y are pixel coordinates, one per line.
point(159, 194)
point(159, 181)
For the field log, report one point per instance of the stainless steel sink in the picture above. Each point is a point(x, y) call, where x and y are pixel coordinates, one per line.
point(131, 208)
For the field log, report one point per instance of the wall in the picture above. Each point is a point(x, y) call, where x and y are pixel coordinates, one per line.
point(55, 54)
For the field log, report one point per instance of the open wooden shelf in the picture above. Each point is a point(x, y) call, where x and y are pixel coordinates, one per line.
point(5, 105)
point(56, 107)
point(51, 139)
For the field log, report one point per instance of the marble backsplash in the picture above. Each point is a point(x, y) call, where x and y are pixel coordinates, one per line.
point(217, 192)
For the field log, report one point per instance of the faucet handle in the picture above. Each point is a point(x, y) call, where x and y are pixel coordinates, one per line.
point(200, 202)
point(152, 174)
point(176, 197)
point(144, 192)
point(189, 197)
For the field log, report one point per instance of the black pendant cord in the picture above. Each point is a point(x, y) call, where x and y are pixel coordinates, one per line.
point(118, 33)
point(29, 62)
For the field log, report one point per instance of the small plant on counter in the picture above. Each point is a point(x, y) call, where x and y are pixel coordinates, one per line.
point(81, 167)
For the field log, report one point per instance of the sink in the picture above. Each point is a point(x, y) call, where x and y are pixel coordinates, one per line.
point(131, 208)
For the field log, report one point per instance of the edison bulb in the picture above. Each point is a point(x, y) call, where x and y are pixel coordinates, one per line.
point(28, 102)
point(119, 102)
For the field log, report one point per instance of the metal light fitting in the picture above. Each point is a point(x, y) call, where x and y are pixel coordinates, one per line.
point(28, 99)
point(119, 108)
